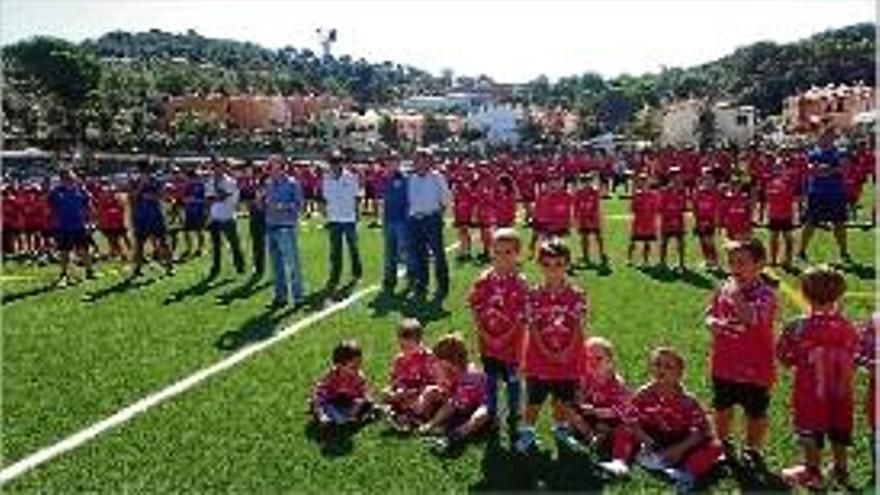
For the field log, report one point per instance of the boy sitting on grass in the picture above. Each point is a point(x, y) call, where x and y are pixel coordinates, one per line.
point(341, 396)
point(411, 375)
point(462, 412)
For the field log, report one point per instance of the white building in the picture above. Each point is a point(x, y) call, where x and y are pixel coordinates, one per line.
point(499, 123)
point(452, 101)
point(681, 123)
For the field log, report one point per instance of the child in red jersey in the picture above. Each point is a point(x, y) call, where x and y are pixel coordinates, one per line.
point(411, 375)
point(464, 201)
point(463, 412)
point(867, 358)
point(111, 220)
point(821, 347)
point(671, 424)
point(505, 202)
point(737, 208)
point(780, 214)
point(498, 302)
point(484, 214)
point(341, 396)
point(603, 402)
point(644, 205)
point(740, 317)
point(13, 220)
point(706, 203)
point(525, 188)
point(554, 345)
point(552, 214)
point(673, 203)
point(587, 212)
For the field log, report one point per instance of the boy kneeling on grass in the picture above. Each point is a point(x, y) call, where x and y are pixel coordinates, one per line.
point(672, 427)
point(341, 396)
point(461, 390)
point(411, 374)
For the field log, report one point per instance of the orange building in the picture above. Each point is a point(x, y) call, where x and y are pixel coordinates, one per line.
point(833, 106)
point(253, 112)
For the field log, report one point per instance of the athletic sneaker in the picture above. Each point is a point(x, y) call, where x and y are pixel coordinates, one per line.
point(805, 476)
point(616, 468)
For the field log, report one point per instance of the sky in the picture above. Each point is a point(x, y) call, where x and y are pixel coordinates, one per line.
point(509, 40)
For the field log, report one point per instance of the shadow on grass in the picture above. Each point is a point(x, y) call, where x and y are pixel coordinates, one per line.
point(424, 311)
point(859, 270)
point(200, 288)
point(7, 298)
point(507, 471)
point(253, 285)
point(751, 481)
point(126, 284)
point(335, 442)
point(667, 275)
point(256, 328)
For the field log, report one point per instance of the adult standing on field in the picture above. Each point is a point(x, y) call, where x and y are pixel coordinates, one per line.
point(283, 203)
point(428, 195)
point(826, 195)
point(339, 189)
point(69, 202)
point(222, 192)
point(395, 209)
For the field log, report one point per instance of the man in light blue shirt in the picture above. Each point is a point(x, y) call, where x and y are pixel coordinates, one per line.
point(428, 195)
point(283, 202)
point(339, 189)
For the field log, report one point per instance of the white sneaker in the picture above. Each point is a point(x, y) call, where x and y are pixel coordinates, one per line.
point(616, 468)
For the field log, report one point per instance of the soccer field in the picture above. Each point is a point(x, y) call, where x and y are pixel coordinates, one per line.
point(74, 356)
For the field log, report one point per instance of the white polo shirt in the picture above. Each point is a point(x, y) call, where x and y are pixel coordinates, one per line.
point(222, 210)
point(427, 194)
point(340, 194)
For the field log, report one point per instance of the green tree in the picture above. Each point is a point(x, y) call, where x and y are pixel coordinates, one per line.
point(388, 131)
point(436, 131)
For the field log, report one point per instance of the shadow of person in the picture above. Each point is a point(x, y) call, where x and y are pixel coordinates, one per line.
point(253, 285)
point(859, 270)
point(386, 302)
point(256, 328)
point(507, 471)
point(335, 441)
point(8, 298)
point(126, 284)
point(200, 288)
point(757, 481)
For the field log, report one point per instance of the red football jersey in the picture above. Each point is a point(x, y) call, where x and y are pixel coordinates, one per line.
point(668, 417)
point(505, 207)
point(706, 204)
point(610, 392)
point(485, 206)
point(644, 206)
point(412, 370)
point(554, 344)
point(673, 203)
point(340, 383)
point(464, 200)
point(587, 208)
point(111, 212)
point(498, 304)
point(737, 216)
point(553, 210)
point(12, 211)
point(743, 351)
point(822, 349)
point(868, 359)
point(780, 199)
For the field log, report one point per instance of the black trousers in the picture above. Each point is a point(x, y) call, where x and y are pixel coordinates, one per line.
point(228, 229)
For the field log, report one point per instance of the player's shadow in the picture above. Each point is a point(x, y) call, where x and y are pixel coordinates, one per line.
point(200, 288)
point(859, 270)
point(8, 298)
point(666, 275)
point(337, 442)
point(256, 328)
point(424, 311)
point(127, 284)
point(751, 481)
point(253, 285)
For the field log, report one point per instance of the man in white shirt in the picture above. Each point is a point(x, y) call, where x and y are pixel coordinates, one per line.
point(339, 188)
point(222, 192)
point(428, 196)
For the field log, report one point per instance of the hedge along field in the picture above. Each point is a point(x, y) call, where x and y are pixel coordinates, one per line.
point(74, 356)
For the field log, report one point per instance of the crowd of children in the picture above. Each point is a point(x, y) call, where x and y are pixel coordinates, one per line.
point(539, 335)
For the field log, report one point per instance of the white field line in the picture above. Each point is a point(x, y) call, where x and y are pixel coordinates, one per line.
point(124, 415)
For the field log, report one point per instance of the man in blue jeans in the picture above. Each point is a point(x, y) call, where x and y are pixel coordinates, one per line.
point(394, 224)
point(283, 202)
point(339, 189)
point(429, 196)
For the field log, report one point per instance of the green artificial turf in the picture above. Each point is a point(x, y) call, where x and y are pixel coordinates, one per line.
point(74, 356)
